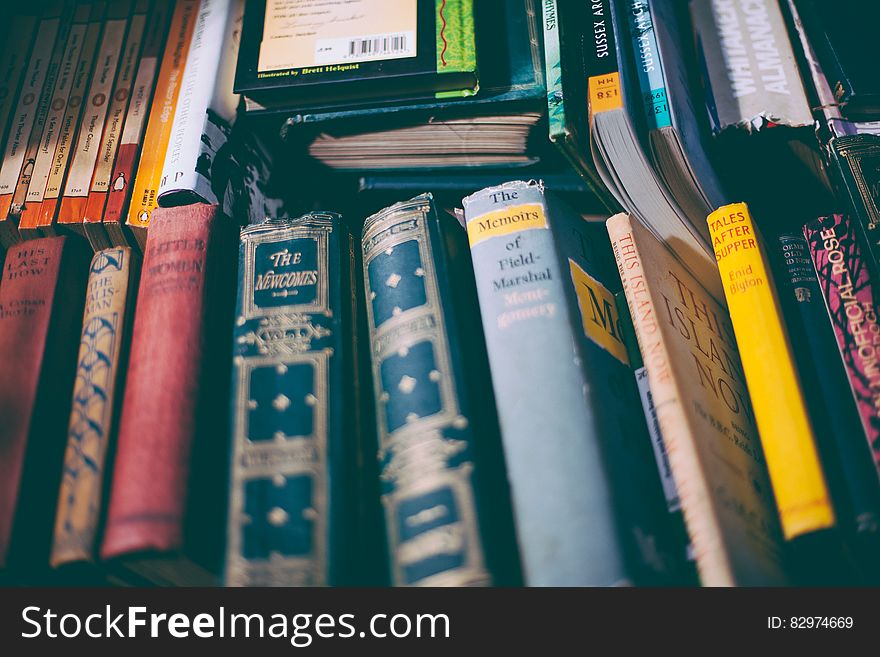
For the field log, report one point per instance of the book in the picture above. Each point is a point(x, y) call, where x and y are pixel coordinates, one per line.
point(93, 214)
point(112, 227)
point(76, 65)
point(14, 58)
point(661, 455)
point(200, 130)
point(142, 198)
point(855, 170)
point(704, 410)
point(439, 450)
point(493, 127)
point(616, 145)
point(36, 89)
point(831, 403)
point(758, 109)
point(852, 306)
point(751, 77)
point(70, 209)
point(566, 87)
point(559, 369)
point(166, 512)
point(41, 296)
point(97, 396)
point(678, 149)
point(834, 30)
point(783, 422)
point(307, 53)
point(294, 408)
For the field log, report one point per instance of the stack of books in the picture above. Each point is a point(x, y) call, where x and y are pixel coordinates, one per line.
point(589, 302)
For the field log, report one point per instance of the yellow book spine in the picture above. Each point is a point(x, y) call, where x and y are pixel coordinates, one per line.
point(780, 410)
point(155, 144)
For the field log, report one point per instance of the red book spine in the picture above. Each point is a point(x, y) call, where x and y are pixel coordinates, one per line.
point(41, 295)
point(148, 495)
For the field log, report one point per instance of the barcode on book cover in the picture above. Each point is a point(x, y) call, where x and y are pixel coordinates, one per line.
point(365, 48)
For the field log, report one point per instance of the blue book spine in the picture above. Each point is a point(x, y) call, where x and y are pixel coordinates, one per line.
point(431, 474)
point(562, 499)
point(292, 416)
point(652, 85)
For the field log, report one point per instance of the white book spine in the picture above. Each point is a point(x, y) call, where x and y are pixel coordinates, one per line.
point(204, 73)
point(57, 108)
point(88, 145)
point(26, 113)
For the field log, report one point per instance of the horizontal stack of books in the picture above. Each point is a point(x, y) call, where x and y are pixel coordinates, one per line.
point(574, 295)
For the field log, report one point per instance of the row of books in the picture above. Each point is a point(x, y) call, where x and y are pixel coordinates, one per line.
point(113, 108)
point(505, 393)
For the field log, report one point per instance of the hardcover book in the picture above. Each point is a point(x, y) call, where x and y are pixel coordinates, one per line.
point(584, 504)
point(706, 417)
point(166, 512)
point(144, 13)
point(855, 168)
point(308, 52)
point(787, 436)
point(438, 448)
point(69, 211)
point(112, 227)
point(41, 297)
point(294, 406)
point(97, 396)
point(63, 118)
point(852, 305)
point(30, 113)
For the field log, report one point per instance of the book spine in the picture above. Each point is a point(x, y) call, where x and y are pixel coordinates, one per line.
point(780, 413)
point(144, 195)
point(85, 155)
point(694, 491)
point(157, 425)
point(834, 406)
point(25, 115)
point(186, 168)
point(646, 53)
point(96, 400)
point(126, 164)
point(564, 538)
point(420, 403)
point(456, 46)
point(58, 105)
point(852, 305)
point(600, 59)
point(553, 71)
point(640, 372)
point(855, 167)
point(41, 295)
point(14, 59)
point(42, 113)
point(100, 186)
point(290, 449)
point(70, 122)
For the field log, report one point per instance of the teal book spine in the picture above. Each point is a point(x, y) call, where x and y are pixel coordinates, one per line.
point(587, 502)
point(649, 68)
point(294, 417)
point(441, 493)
